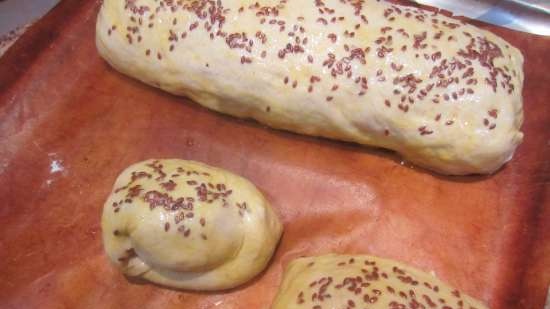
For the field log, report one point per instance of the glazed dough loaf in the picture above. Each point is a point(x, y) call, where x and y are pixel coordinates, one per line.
point(444, 94)
point(187, 225)
point(359, 281)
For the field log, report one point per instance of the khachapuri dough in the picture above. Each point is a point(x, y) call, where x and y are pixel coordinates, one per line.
point(444, 94)
point(360, 281)
point(184, 224)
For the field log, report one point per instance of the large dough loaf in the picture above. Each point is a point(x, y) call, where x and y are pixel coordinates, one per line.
point(444, 94)
point(188, 225)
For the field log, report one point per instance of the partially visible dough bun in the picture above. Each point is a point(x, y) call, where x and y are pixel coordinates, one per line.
point(444, 94)
point(184, 224)
point(361, 281)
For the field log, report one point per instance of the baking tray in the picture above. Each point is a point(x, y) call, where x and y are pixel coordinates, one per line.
point(69, 124)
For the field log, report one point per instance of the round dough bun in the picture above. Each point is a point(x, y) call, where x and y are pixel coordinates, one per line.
point(187, 225)
point(361, 281)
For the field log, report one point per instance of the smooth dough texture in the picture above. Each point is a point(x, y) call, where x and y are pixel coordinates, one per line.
point(444, 94)
point(184, 224)
point(361, 281)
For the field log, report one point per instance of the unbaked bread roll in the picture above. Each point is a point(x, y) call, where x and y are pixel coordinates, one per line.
point(187, 225)
point(444, 94)
point(360, 281)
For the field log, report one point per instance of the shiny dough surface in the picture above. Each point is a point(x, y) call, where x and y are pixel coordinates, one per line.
point(444, 94)
point(187, 225)
point(360, 281)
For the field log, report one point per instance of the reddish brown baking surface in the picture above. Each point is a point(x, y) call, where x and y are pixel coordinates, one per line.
point(69, 124)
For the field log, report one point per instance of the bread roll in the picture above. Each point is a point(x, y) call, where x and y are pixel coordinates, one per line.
point(359, 281)
point(444, 94)
point(187, 225)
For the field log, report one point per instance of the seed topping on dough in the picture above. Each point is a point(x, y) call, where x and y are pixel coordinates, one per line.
point(374, 284)
point(206, 194)
point(452, 77)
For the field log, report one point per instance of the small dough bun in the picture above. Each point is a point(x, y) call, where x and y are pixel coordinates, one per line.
point(361, 281)
point(187, 225)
